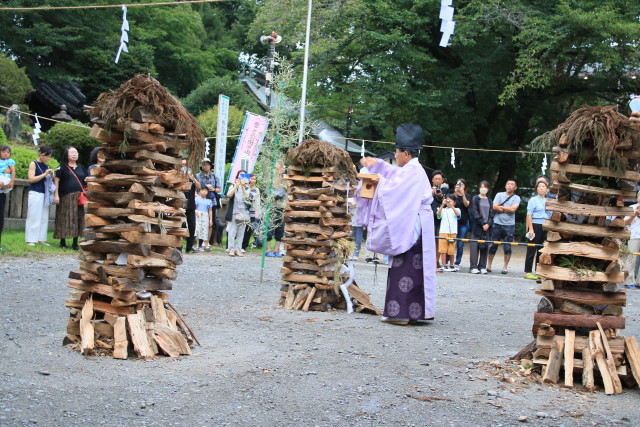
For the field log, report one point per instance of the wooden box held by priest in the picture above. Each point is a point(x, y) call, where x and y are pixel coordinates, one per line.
point(369, 185)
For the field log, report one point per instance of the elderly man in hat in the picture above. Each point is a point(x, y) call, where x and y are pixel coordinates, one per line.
point(400, 224)
point(208, 180)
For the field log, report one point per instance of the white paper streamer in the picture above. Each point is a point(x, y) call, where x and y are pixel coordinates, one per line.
point(362, 149)
point(206, 148)
point(453, 157)
point(446, 13)
point(448, 25)
point(36, 131)
point(544, 165)
point(124, 38)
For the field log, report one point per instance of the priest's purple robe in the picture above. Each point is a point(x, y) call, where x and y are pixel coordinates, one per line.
point(398, 216)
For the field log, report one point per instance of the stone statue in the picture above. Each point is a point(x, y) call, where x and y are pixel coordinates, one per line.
point(13, 117)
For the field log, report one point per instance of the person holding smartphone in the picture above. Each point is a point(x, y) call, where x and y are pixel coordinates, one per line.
point(536, 214)
point(40, 178)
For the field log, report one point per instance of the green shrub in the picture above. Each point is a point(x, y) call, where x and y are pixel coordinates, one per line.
point(3, 138)
point(64, 135)
point(23, 156)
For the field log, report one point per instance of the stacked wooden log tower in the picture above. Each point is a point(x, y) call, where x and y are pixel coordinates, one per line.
point(580, 314)
point(134, 218)
point(317, 239)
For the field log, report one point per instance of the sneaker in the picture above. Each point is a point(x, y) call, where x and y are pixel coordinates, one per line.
point(456, 267)
point(451, 268)
point(531, 276)
point(239, 253)
point(242, 250)
point(442, 269)
point(474, 271)
point(505, 271)
point(31, 244)
point(484, 271)
point(231, 252)
point(278, 255)
point(271, 254)
point(200, 249)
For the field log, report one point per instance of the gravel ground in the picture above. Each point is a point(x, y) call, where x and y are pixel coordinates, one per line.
point(261, 365)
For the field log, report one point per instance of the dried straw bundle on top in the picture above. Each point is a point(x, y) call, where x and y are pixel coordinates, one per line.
point(143, 91)
point(600, 136)
point(315, 153)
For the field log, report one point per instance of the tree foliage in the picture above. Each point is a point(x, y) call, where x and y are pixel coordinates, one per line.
point(14, 83)
point(181, 45)
point(515, 69)
point(208, 122)
point(205, 96)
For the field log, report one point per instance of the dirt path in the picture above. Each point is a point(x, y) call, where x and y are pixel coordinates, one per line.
point(261, 365)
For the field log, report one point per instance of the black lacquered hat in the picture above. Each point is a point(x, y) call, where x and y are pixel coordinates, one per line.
point(409, 137)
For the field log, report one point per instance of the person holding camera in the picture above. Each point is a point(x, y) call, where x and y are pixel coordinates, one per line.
point(237, 216)
point(438, 188)
point(481, 213)
point(462, 202)
point(448, 214)
point(255, 212)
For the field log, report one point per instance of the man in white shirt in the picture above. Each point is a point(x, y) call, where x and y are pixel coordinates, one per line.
point(633, 224)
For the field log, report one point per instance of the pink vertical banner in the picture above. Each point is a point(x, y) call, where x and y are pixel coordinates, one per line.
point(251, 138)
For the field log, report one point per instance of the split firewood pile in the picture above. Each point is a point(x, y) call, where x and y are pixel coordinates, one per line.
point(134, 220)
point(317, 239)
point(577, 323)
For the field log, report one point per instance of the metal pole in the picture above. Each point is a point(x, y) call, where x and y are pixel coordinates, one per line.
point(303, 101)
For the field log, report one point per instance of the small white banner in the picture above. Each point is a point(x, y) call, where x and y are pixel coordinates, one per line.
point(221, 136)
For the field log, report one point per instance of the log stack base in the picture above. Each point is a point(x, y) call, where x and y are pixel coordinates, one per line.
point(317, 221)
point(579, 317)
point(129, 254)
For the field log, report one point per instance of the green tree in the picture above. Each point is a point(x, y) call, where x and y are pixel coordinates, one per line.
point(14, 83)
point(208, 122)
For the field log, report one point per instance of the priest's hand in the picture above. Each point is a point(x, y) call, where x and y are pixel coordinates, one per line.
point(367, 162)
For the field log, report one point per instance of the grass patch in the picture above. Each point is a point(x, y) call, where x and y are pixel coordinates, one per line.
point(13, 244)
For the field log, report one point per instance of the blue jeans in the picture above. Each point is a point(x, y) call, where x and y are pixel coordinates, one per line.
point(463, 229)
point(357, 236)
